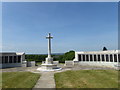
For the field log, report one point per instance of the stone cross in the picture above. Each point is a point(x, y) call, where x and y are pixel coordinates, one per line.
point(49, 37)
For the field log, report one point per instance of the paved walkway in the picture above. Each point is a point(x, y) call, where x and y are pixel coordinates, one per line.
point(46, 80)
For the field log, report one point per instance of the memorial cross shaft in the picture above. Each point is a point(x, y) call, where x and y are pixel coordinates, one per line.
point(49, 37)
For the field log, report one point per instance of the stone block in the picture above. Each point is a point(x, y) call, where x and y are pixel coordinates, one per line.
point(69, 63)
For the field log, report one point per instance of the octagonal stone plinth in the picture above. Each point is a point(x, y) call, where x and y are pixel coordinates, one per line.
point(49, 67)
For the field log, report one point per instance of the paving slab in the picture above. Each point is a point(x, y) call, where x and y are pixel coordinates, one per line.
point(46, 80)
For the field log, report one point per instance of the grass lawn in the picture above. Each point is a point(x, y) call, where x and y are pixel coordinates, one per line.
point(39, 63)
point(87, 79)
point(61, 63)
point(0, 79)
point(19, 79)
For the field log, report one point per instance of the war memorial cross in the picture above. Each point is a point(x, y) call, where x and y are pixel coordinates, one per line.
point(49, 37)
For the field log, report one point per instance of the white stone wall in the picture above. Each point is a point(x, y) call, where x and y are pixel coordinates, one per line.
point(85, 58)
point(11, 59)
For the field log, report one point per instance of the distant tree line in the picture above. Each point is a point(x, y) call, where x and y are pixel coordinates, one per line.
point(37, 58)
point(61, 58)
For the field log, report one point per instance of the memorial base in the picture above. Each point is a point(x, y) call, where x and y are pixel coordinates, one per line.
point(49, 60)
point(48, 65)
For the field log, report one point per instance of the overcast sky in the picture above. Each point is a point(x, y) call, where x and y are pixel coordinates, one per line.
point(74, 26)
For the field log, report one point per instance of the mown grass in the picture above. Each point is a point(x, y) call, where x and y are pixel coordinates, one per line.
point(87, 79)
point(0, 79)
point(19, 79)
point(38, 63)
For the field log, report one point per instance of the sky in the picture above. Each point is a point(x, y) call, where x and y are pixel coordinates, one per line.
point(78, 26)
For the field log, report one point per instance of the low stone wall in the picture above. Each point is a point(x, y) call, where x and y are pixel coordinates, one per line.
point(69, 63)
point(103, 64)
point(43, 62)
point(30, 63)
point(56, 62)
point(9, 65)
point(23, 64)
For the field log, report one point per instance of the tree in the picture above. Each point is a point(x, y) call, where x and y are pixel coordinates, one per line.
point(67, 56)
point(104, 49)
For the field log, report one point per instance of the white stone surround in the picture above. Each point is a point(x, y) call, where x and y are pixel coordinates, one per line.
point(109, 58)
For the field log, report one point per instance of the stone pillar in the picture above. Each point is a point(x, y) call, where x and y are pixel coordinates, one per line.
point(81, 57)
point(105, 57)
point(21, 59)
point(96, 57)
point(76, 56)
point(108, 57)
point(93, 57)
point(85, 58)
point(113, 57)
point(117, 58)
point(8, 60)
point(89, 57)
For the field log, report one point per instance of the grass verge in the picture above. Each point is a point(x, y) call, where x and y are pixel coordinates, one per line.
point(19, 79)
point(87, 79)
